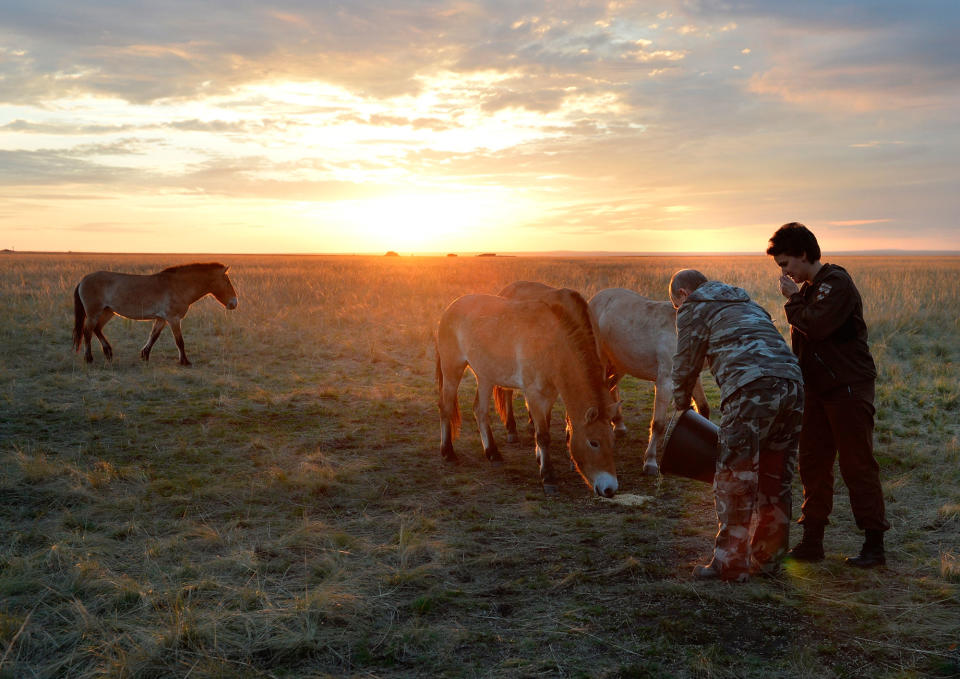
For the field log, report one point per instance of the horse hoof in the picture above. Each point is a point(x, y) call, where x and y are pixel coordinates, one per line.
point(550, 488)
point(496, 464)
point(651, 469)
point(512, 437)
point(450, 459)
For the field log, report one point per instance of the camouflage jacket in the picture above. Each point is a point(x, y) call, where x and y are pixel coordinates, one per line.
point(828, 331)
point(719, 322)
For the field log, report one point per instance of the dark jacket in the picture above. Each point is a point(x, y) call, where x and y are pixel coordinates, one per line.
point(719, 322)
point(828, 332)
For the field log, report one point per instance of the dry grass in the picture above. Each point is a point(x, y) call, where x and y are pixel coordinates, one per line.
point(280, 509)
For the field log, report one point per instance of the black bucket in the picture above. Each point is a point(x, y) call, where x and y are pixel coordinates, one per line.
point(690, 446)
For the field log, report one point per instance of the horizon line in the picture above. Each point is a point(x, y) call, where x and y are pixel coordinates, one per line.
point(492, 254)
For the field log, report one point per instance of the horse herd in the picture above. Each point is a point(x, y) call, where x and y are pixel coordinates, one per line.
point(545, 341)
point(551, 342)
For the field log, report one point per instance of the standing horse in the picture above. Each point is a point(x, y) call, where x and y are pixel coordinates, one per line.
point(545, 347)
point(638, 336)
point(528, 290)
point(163, 297)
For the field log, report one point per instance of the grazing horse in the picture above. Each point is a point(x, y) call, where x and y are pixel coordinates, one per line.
point(163, 297)
point(544, 347)
point(638, 336)
point(528, 290)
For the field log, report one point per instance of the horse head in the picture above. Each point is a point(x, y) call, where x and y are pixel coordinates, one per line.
point(224, 291)
point(591, 445)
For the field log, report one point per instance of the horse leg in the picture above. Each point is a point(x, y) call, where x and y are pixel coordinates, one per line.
point(105, 316)
point(663, 396)
point(178, 338)
point(540, 411)
point(618, 426)
point(88, 325)
point(510, 422)
point(158, 325)
point(481, 411)
point(449, 408)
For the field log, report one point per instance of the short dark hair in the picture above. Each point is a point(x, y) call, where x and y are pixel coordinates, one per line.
point(690, 279)
point(794, 239)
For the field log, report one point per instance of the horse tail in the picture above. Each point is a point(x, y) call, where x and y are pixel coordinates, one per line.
point(79, 316)
point(455, 415)
point(501, 398)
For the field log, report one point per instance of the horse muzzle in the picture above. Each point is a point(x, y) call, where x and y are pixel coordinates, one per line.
point(231, 303)
point(605, 485)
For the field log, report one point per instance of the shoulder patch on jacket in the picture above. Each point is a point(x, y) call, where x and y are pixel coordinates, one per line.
point(823, 291)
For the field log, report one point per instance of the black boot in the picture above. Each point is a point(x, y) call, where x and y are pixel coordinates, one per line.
point(871, 554)
point(810, 547)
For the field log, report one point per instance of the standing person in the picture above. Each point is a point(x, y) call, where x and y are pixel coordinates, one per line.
point(761, 400)
point(830, 338)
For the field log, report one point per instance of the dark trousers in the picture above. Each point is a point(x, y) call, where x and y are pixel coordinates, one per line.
point(839, 424)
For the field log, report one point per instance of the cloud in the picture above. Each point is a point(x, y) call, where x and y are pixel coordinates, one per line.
point(865, 56)
point(143, 52)
point(113, 227)
point(606, 113)
point(858, 222)
point(48, 167)
point(32, 127)
point(852, 56)
point(382, 120)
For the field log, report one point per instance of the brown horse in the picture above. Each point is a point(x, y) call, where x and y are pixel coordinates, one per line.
point(163, 297)
point(544, 347)
point(527, 290)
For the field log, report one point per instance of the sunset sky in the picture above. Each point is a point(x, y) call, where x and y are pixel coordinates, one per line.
point(229, 126)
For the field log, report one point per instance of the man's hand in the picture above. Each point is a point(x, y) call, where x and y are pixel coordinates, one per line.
point(788, 286)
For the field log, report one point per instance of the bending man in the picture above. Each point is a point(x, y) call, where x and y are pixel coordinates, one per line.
point(761, 402)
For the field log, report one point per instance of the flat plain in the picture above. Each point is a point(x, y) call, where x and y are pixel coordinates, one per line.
point(280, 509)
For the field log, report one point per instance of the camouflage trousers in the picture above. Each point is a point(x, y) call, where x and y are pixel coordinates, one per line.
point(759, 436)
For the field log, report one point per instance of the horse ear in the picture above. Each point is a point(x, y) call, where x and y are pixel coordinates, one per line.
point(612, 409)
point(591, 414)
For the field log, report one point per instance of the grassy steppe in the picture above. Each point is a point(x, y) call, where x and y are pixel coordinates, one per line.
point(280, 508)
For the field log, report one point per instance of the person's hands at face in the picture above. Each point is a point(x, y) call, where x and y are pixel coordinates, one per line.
point(793, 271)
point(788, 286)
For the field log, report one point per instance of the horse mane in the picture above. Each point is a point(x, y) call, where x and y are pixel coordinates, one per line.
point(576, 322)
point(196, 266)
